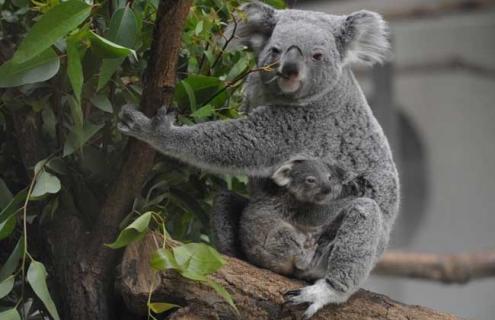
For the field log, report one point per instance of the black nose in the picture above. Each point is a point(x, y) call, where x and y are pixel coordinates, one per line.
point(326, 190)
point(290, 69)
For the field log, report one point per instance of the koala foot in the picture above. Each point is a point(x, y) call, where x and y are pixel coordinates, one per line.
point(317, 296)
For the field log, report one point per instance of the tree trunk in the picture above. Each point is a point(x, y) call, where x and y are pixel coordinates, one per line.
point(256, 292)
point(84, 267)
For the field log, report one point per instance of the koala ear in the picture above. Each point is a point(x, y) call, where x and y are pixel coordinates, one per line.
point(254, 27)
point(282, 175)
point(362, 38)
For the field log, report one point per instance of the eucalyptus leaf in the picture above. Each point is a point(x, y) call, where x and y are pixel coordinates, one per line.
point(203, 112)
point(36, 277)
point(102, 102)
point(74, 68)
point(123, 30)
point(108, 49)
point(53, 25)
point(10, 314)
point(163, 259)
point(39, 68)
point(6, 286)
point(45, 183)
point(13, 206)
point(78, 137)
point(222, 292)
point(198, 258)
point(7, 227)
point(160, 307)
point(12, 262)
point(5, 194)
point(134, 231)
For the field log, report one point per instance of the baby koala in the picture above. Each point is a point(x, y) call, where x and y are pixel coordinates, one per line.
point(285, 232)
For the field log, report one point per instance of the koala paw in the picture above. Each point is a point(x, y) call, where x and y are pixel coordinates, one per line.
point(317, 296)
point(133, 122)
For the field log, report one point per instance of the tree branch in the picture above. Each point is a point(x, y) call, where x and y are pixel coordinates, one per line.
point(256, 292)
point(456, 268)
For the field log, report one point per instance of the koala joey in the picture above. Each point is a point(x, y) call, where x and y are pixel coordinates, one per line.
point(309, 104)
point(290, 231)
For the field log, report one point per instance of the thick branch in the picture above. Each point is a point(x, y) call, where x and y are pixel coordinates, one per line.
point(257, 293)
point(456, 268)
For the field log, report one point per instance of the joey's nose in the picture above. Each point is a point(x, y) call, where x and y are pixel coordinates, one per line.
point(326, 190)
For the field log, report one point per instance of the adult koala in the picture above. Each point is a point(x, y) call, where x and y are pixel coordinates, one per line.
point(309, 105)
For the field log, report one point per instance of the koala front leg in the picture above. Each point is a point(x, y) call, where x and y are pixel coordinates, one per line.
point(238, 146)
point(224, 222)
point(351, 259)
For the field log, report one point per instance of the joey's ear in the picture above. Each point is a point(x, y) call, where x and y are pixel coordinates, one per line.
point(363, 38)
point(254, 26)
point(282, 175)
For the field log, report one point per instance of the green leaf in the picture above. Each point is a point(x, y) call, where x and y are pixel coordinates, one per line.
point(204, 87)
point(132, 232)
point(53, 25)
point(7, 227)
point(5, 194)
point(74, 68)
point(39, 68)
point(13, 205)
point(6, 286)
point(222, 292)
point(36, 277)
point(241, 66)
point(203, 112)
point(77, 138)
point(45, 183)
point(163, 259)
point(11, 264)
point(190, 94)
point(102, 102)
point(10, 314)
point(108, 49)
point(199, 28)
point(160, 307)
point(123, 30)
point(198, 258)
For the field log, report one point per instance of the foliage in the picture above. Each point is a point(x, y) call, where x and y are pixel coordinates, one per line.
point(70, 65)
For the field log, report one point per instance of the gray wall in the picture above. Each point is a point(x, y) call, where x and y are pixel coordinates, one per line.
point(453, 112)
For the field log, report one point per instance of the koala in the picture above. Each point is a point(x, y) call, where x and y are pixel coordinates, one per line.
point(284, 232)
point(308, 104)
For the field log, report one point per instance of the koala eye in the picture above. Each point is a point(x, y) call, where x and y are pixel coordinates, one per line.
point(317, 56)
point(310, 180)
point(330, 178)
point(275, 51)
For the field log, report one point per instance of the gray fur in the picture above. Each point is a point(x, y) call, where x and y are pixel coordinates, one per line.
point(318, 111)
point(289, 229)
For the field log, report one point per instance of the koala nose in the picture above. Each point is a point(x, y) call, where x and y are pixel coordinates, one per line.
point(326, 190)
point(293, 58)
point(290, 69)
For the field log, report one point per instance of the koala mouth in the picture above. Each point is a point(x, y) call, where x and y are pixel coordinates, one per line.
point(289, 84)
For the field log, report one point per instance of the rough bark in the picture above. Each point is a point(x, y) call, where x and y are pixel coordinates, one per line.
point(454, 268)
point(257, 293)
point(84, 266)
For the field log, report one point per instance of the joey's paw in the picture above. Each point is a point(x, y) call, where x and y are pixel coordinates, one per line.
point(132, 122)
point(316, 296)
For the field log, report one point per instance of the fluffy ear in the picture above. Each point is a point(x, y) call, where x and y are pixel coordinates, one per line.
point(282, 175)
point(254, 26)
point(363, 38)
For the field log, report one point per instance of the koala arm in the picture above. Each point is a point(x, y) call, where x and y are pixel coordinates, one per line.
point(239, 146)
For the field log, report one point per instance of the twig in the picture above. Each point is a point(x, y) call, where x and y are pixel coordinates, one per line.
point(448, 269)
point(224, 45)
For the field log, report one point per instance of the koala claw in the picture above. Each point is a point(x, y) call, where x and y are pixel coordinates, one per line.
point(317, 296)
point(132, 122)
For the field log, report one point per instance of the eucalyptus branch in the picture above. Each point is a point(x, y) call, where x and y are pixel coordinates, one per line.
point(225, 45)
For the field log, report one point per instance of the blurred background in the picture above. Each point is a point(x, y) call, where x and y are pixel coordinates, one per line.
point(436, 101)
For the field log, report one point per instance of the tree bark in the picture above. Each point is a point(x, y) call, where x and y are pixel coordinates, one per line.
point(258, 293)
point(84, 267)
point(454, 268)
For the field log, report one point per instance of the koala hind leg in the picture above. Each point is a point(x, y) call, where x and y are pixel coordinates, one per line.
point(350, 261)
point(224, 222)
